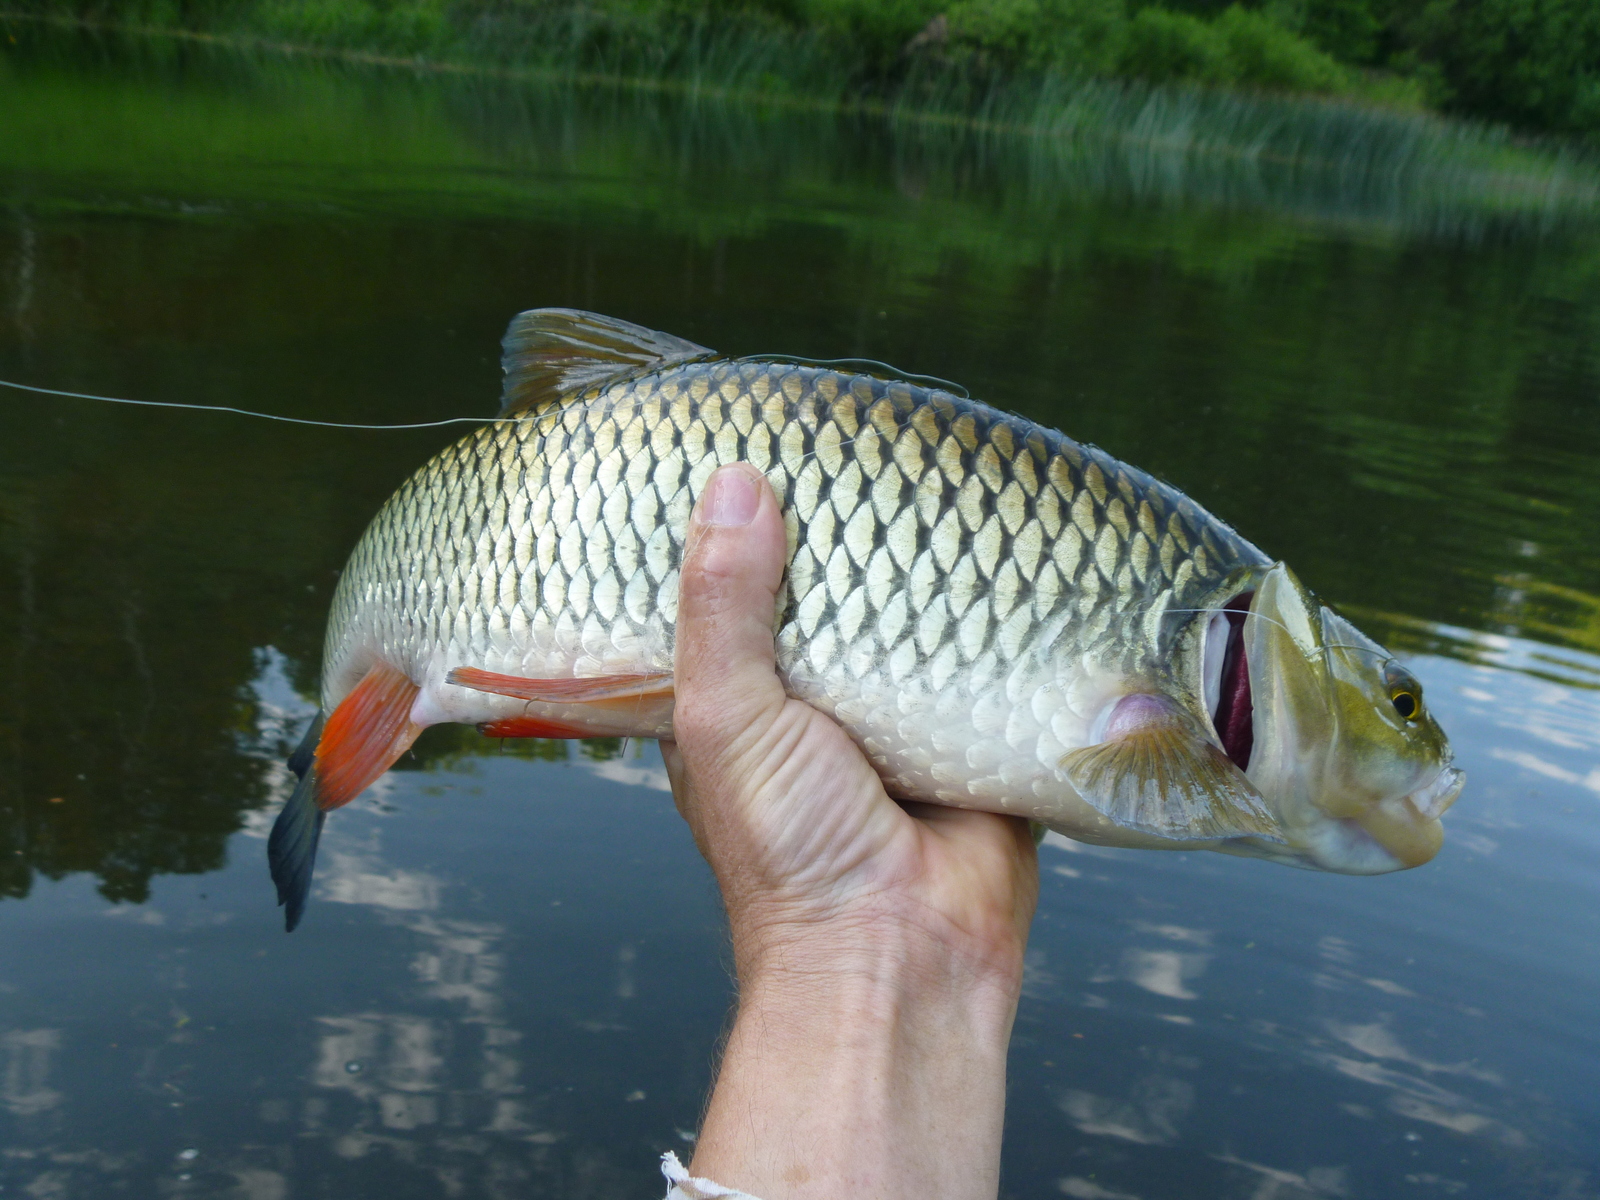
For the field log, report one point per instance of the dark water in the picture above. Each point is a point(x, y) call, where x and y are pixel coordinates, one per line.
point(513, 975)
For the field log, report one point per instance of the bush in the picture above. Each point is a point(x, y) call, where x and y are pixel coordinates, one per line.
point(187, 14)
point(1162, 46)
point(1264, 54)
point(1093, 37)
point(1241, 46)
point(1079, 36)
point(880, 28)
point(1530, 62)
point(400, 28)
point(1350, 30)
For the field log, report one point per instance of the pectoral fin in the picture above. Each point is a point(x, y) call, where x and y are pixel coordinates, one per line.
point(1158, 773)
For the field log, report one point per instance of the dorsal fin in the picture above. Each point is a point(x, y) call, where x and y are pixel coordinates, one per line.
point(553, 352)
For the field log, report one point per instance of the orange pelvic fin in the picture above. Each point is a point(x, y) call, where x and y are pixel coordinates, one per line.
point(369, 730)
point(595, 689)
point(532, 727)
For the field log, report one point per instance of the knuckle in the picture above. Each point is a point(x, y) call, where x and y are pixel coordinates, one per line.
point(715, 563)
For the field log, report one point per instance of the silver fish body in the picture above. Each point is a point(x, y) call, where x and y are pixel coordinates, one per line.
point(966, 588)
point(1002, 618)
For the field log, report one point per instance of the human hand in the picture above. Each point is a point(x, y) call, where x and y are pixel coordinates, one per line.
point(878, 945)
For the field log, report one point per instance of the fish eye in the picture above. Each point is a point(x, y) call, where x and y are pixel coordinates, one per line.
point(1407, 703)
point(1405, 692)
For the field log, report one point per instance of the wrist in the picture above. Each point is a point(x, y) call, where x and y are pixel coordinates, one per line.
point(863, 1061)
point(885, 943)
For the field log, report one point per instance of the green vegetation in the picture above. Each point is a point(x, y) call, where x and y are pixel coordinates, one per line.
point(398, 141)
point(1532, 63)
point(1411, 306)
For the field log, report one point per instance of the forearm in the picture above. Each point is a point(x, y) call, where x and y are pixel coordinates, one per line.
point(878, 946)
point(868, 1066)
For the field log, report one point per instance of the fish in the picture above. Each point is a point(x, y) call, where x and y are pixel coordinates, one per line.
point(1002, 618)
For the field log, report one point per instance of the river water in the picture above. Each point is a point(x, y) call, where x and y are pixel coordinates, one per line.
point(513, 973)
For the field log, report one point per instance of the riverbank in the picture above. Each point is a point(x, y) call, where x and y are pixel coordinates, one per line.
point(1202, 150)
point(1325, 153)
point(954, 54)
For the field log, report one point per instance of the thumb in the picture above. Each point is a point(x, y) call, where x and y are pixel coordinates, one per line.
point(724, 680)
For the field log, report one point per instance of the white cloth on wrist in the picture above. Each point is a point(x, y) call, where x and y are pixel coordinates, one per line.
point(686, 1187)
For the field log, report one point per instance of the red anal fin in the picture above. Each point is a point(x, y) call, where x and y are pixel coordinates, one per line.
point(366, 733)
point(595, 689)
point(532, 727)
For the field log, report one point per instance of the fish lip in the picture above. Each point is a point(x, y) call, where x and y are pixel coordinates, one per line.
point(1432, 801)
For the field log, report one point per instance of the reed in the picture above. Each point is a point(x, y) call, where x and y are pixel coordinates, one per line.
point(1063, 133)
point(826, 49)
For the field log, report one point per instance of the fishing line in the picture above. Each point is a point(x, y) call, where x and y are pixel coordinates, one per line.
point(1383, 654)
point(801, 360)
point(639, 403)
point(1258, 616)
point(637, 406)
point(245, 412)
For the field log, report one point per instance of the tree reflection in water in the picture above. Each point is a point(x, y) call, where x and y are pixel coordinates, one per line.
point(509, 983)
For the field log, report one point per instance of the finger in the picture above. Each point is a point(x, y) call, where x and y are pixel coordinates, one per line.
point(727, 599)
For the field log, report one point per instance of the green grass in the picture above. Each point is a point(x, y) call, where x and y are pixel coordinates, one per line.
point(1535, 63)
point(164, 123)
point(826, 49)
point(1327, 157)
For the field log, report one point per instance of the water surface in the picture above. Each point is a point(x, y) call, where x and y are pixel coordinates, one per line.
point(513, 974)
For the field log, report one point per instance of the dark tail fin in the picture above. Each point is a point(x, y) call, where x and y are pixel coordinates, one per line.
point(306, 752)
point(370, 728)
point(292, 848)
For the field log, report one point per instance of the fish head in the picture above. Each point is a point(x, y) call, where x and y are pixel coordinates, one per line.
point(1346, 751)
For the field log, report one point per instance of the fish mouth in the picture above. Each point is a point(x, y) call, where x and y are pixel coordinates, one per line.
point(1432, 801)
point(1233, 715)
point(1407, 828)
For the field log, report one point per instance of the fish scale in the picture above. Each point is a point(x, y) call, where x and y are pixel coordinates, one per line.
point(1001, 617)
point(945, 555)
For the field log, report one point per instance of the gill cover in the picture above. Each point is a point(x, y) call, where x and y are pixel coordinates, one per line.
point(1357, 785)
